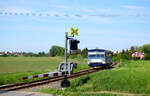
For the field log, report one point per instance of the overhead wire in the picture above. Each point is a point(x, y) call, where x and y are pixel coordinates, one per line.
point(69, 15)
point(33, 14)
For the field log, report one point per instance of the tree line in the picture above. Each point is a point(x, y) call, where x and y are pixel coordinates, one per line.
point(127, 54)
point(124, 54)
point(59, 51)
point(54, 51)
point(24, 54)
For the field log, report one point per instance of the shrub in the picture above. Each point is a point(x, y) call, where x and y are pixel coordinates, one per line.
point(146, 49)
point(147, 56)
point(84, 53)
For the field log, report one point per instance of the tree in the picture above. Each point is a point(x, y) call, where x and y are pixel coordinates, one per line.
point(124, 54)
point(84, 52)
point(79, 51)
point(123, 51)
point(41, 54)
point(132, 49)
point(146, 49)
point(57, 51)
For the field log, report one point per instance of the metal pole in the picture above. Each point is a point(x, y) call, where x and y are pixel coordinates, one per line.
point(66, 46)
point(66, 83)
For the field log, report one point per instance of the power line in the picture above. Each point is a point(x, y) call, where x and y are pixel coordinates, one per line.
point(68, 15)
point(33, 14)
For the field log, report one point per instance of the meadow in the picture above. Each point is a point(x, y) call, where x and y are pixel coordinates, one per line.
point(132, 77)
point(12, 69)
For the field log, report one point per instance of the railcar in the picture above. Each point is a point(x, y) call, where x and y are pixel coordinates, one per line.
point(99, 58)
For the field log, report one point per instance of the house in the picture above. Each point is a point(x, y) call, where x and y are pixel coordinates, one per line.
point(137, 54)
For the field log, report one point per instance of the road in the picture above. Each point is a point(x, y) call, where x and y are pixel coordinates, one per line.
point(22, 93)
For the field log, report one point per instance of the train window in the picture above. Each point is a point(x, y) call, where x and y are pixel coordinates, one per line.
point(92, 55)
point(100, 55)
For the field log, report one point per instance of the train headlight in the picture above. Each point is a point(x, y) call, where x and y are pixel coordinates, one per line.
point(103, 59)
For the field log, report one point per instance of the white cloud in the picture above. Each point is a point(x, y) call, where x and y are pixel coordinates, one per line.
point(16, 10)
point(132, 7)
point(82, 9)
point(93, 10)
point(61, 6)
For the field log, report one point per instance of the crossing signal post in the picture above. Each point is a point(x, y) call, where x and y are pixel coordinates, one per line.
point(68, 66)
point(65, 68)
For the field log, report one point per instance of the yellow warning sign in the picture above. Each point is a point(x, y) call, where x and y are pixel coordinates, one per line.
point(74, 31)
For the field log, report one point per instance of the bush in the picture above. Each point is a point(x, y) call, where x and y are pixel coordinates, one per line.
point(147, 56)
point(146, 49)
point(84, 53)
point(122, 56)
point(125, 56)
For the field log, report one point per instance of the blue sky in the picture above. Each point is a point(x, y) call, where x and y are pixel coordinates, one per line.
point(106, 24)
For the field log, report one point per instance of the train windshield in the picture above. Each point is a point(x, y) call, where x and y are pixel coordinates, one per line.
point(92, 55)
point(97, 55)
point(100, 55)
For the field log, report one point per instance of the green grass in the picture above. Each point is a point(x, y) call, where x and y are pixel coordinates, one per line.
point(103, 94)
point(67, 93)
point(132, 77)
point(23, 64)
point(12, 69)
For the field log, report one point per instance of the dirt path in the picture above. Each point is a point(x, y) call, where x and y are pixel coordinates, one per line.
point(22, 93)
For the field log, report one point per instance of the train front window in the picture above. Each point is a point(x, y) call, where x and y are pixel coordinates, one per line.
point(92, 55)
point(100, 55)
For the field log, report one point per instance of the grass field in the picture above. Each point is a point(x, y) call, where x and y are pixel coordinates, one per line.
point(12, 69)
point(24, 64)
point(133, 77)
point(69, 93)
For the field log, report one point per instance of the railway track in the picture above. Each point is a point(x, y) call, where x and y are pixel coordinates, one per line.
point(19, 86)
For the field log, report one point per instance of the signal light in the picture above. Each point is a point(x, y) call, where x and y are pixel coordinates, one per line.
point(74, 46)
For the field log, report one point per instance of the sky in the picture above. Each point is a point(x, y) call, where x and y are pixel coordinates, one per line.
point(36, 25)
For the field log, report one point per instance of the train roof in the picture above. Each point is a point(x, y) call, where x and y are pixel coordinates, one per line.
point(99, 50)
point(96, 50)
